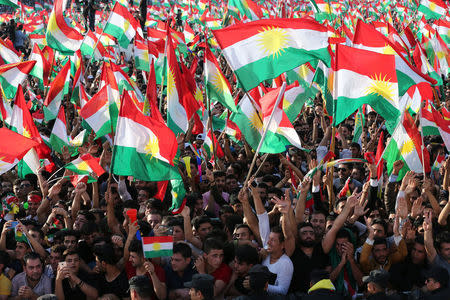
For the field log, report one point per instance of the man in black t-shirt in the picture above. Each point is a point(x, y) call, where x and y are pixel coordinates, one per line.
point(110, 280)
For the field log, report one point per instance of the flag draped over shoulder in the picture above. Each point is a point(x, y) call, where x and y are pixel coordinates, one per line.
point(144, 147)
point(264, 49)
point(60, 35)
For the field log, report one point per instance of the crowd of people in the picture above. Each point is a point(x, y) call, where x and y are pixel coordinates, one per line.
point(336, 233)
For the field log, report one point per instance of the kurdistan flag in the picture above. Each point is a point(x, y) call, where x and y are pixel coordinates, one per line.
point(406, 145)
point(122, 25)
point(13, 151)
point(86, 165)
point(433, 9)
point(157, 246)
point(8, 53)
point(11, 75)
point(144, 147)
point(248, 8)
point(58, 89)
point(264, 49)
point(217, 86)
point(96, 113)
point(12, 3)
point(433, 123)
point(59, 138)
point(60, 35)
point(365, 77)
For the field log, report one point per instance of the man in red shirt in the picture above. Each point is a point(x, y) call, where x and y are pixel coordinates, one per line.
point(211, 262)
point(137, 265)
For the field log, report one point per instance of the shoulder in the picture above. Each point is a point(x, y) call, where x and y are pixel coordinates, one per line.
point(19, 278)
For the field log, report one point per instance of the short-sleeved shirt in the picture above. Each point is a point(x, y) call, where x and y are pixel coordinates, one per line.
point(131, 272)
point(44, 286)
point(175, 281)
point(222, 273)
point(119, 286)
point(439, 261)
point(5, 285)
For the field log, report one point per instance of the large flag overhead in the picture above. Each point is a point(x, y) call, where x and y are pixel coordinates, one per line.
point(60, 35)
point(12, 75)
point(13, 151)
point(122, 25)
point(144, 147)
point(406, 145)
point(264, 49)
point(365, 77)
point(12, 3)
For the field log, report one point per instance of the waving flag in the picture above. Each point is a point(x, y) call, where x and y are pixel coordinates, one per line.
point(365, 77)
point(59, 137)
point(264, 49)
point(58, 88)
point(86, 165)
point(217, 86)
point(122, 25)
point(8, 53)
point(13, 151)
point(433, 123)
point(12, 3)
point(406, 145)
point(12, 75)
point(60, 35)
point(181, 104)
point(433, 9)
point(248, 8)
point(144, 147)
point(96, 113)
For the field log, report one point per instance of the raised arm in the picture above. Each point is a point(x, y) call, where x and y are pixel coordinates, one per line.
point(428, 238)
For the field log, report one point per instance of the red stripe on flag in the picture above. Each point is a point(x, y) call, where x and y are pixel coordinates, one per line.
point(157, 239)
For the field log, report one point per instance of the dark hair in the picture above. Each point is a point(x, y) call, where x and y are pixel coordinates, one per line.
point(317, 275)
point(71, 232)
point(153, 203)
point(176, 222)
point(344, 233)
point(246, 254)
point(239, 226)
point(225, 209)
point(212, 244)
point(136, 246)
point(30, 256)
point(319, 212)
point(219, 174)
point(197, 221)
point(443, 237)
point(131, 204)
point(380, 241)
point(144, 228)
point(4, 258)
point(183, 249)
point(58, 249)
point(276, 191)
point(89, 228)
point(303, 224)
point(382, 223)
point(277, 229)
point(356, 145)
point(70, 252)
point(88, 215)
point(105, 253)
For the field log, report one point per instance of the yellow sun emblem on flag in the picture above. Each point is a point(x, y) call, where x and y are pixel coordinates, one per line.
point(156, 246)
point(170, 82)
point(83, 166)
point(218, 82)
point(381, 86)
point(303, 72)
point(255, 121)
point(432, 6)
point(152, 147)
point(26, 133)
point(407, 147)
point(327, 8)
point(273, 40)
point(198, 95)
point(388, 50)
point(286, 103)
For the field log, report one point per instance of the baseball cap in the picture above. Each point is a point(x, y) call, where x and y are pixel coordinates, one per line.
point(203, 283)
point(439, 274)
point(379, 277)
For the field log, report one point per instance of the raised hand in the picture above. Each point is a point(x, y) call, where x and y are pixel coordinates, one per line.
point(402, 208)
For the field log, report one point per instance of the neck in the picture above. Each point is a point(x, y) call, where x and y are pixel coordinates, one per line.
point(274, 256)
point(32, 283)
point(111, 272)
point(140, 270)
point(209, 268)
point(307, 250)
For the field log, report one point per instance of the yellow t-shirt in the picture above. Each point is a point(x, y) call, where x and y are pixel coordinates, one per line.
point(5, 285)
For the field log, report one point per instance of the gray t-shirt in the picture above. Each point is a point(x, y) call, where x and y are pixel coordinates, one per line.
point(439, 261)
point(43, 287)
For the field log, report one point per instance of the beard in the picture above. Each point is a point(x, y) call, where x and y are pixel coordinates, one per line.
point(307, 243)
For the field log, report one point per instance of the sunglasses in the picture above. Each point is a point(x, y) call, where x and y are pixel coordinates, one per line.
point(342, 169)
